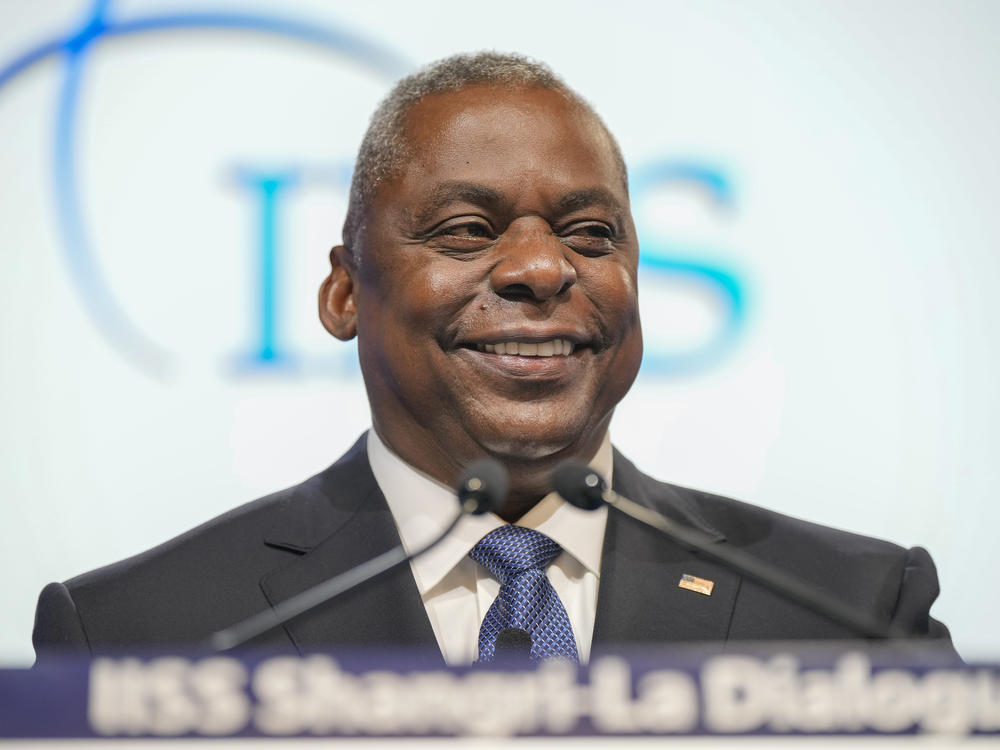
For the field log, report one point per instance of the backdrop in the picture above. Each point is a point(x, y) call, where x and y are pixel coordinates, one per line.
point(814, 185)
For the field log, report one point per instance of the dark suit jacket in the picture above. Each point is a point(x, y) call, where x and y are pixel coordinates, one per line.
point(266, 551)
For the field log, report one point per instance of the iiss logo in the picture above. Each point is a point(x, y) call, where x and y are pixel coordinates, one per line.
point(666, 265)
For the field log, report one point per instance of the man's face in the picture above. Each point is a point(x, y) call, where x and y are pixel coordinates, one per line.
point(495, 298)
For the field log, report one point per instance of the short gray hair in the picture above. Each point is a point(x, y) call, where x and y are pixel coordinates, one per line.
point(384, 148)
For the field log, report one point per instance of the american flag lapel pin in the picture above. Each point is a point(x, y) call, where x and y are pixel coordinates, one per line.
point(694, 583)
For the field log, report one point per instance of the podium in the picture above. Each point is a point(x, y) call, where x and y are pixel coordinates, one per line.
point(786, 690)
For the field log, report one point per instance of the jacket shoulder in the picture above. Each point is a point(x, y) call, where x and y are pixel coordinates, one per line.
point(206, 578)
point(752, 526)
point(881, 577)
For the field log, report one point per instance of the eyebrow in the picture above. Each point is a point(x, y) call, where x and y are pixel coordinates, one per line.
point(458, 190)
point(577, 199)
point(480, 195)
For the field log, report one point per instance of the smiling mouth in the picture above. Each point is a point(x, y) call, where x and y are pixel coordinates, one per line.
point(553, 348)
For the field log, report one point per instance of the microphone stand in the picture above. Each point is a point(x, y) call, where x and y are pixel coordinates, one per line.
point(583, 487)
point(756, 570)
point(482, 488)
point(322, 592)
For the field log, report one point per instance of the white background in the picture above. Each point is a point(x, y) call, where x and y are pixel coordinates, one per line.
point(861, 140)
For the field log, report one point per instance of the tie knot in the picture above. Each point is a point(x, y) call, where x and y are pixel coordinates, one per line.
point(509, 551)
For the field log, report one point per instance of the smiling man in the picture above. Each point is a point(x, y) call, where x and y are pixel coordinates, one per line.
point(492, 286)
point(489, 273)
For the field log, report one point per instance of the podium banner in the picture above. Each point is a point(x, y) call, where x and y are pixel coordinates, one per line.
point(396, 693)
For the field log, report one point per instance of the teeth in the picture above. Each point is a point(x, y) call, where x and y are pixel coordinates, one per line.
point(553, 348)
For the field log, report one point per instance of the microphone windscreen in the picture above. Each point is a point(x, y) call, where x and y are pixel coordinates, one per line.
point(513, 645)
point(483, 486)
point(579, 485)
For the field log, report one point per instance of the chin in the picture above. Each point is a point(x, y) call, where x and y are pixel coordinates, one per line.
point(533, 431)
point(521, 450)
point(525, 446)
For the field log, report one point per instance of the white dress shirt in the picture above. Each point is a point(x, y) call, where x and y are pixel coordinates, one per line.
point(455, 589)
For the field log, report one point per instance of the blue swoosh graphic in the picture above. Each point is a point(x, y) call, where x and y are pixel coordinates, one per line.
point(85, 272)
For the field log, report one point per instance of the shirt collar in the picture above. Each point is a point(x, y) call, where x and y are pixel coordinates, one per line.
point(422, 508)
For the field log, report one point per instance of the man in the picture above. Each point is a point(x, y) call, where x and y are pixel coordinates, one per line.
point(489, 273)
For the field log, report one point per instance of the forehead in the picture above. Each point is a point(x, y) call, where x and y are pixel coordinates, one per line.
point(507, 136)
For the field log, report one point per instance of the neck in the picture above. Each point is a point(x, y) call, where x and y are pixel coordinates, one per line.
point(526, 490)
point(530, 481)
point(530, 478)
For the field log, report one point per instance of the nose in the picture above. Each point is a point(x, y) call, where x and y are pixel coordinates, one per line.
point(532, 264)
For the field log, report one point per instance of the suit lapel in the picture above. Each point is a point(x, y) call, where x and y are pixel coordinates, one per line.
point(639, 599)
point(341, 520)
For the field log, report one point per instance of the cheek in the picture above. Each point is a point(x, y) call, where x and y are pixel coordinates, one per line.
point(450, 282)
point(614, 293)
point(436, 297)
point(424, 297)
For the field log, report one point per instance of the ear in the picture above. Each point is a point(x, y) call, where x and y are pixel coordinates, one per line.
point(337, 309)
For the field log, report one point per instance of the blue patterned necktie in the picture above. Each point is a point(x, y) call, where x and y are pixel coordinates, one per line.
point(518, 557)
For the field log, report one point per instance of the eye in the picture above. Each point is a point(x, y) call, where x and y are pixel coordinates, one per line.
point(463, 235)
point(589, 237)
point(471, 230)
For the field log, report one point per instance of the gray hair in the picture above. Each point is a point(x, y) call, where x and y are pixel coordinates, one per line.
point(384, 149)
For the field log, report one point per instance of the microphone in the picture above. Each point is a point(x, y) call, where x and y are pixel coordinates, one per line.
point(482, 488)
point(513, 647)
point(583, 487)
